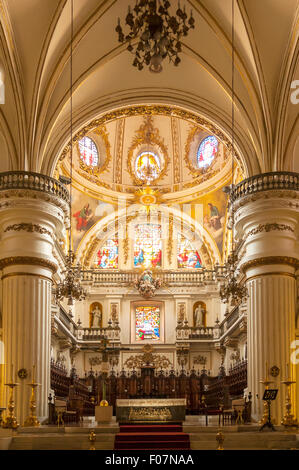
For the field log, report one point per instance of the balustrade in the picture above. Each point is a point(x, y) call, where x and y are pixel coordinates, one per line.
point(33, 181)
point(265, 182)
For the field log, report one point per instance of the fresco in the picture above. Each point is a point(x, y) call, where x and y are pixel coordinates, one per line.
point(86, 211)
point(214, 207)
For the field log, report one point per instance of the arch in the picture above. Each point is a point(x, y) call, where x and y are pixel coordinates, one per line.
point(106, 227)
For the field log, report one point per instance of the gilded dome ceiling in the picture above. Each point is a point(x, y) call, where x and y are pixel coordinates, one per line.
point(176, 152)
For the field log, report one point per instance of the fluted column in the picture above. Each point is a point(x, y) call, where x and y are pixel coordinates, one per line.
point(267, 215)
point(33, 210)
point(26, 326)
point(271, 322)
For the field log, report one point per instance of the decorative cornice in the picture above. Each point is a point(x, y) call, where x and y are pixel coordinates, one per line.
point(268, 260)
point(27, 260)
point(28, 227)
point(269, 228)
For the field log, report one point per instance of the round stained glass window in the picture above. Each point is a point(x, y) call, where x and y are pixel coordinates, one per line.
point(207, 151)
point(88, 152)
point(147, 166)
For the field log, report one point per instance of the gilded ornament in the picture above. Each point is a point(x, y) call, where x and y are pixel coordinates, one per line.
point(30, 260)
point(147, 136)
point(28, 227)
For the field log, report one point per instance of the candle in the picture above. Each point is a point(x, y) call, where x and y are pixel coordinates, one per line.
point(11, 374)
point(287, 375)
point(266, 370)
point(33, 373)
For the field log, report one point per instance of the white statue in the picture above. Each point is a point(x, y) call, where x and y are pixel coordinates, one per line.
point(199, 316)
point(97, 317)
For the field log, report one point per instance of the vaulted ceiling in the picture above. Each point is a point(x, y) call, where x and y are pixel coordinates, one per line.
point(35, 51)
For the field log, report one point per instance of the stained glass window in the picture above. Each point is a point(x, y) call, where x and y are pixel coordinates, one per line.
point(148, 246)
point(147, 166)
point(107, 256)
point(88, 151)
point(207, 151)
point(147, 323)
point(187, 256)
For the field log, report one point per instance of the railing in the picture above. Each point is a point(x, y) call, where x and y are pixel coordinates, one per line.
point(98, 334)
point(97, 276)
point(266, 182)
point(186, 333)
point(34, 181)
point(232, 317)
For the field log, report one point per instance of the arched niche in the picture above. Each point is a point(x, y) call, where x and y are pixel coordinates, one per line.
point(199, 314)
point(96, 315)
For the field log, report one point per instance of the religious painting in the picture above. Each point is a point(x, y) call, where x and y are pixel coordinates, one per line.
point(187, 256)
point(82, 217)
point(86, 211)
point(107, 256)
point(147, 323)
point(214, 215)
point(148, 246)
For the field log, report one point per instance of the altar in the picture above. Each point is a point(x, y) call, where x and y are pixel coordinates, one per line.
point(150, 410)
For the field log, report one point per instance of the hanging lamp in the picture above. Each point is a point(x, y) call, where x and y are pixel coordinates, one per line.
point(70, 287)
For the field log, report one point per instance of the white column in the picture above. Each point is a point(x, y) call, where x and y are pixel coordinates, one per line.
point(267, 222)
point(30, 221)
point(26, 329)
point(271, 322)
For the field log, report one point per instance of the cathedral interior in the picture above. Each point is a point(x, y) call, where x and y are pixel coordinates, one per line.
point(149, 220)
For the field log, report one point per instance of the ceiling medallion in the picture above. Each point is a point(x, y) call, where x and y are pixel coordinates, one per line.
point(159, 33)
point(147, 197)
point(150, 163)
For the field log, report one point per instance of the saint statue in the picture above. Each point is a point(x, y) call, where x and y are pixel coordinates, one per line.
point(199, 316)
point(95, 318)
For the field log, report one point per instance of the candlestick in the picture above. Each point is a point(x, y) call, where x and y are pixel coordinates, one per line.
point(11, 421)
point(32, 420)
point(289, 421)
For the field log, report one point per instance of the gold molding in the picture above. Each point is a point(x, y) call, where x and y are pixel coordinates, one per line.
point(147, 134)
point(40, 276)
point(97, 170)
point(29, 260)
point(268, 260)
point(155, 110)
point(28, 227)
point(269, 228)
point(196, 172)
point(256, 276)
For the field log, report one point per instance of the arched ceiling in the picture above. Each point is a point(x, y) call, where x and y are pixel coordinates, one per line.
point(35, 48)
point(172, 135)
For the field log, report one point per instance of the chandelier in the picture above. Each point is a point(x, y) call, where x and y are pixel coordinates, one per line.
point(231, 290)
point(159, 33)
point(70, 286)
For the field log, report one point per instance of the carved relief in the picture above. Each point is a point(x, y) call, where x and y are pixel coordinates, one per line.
point(28, 227)
point(269, 228)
